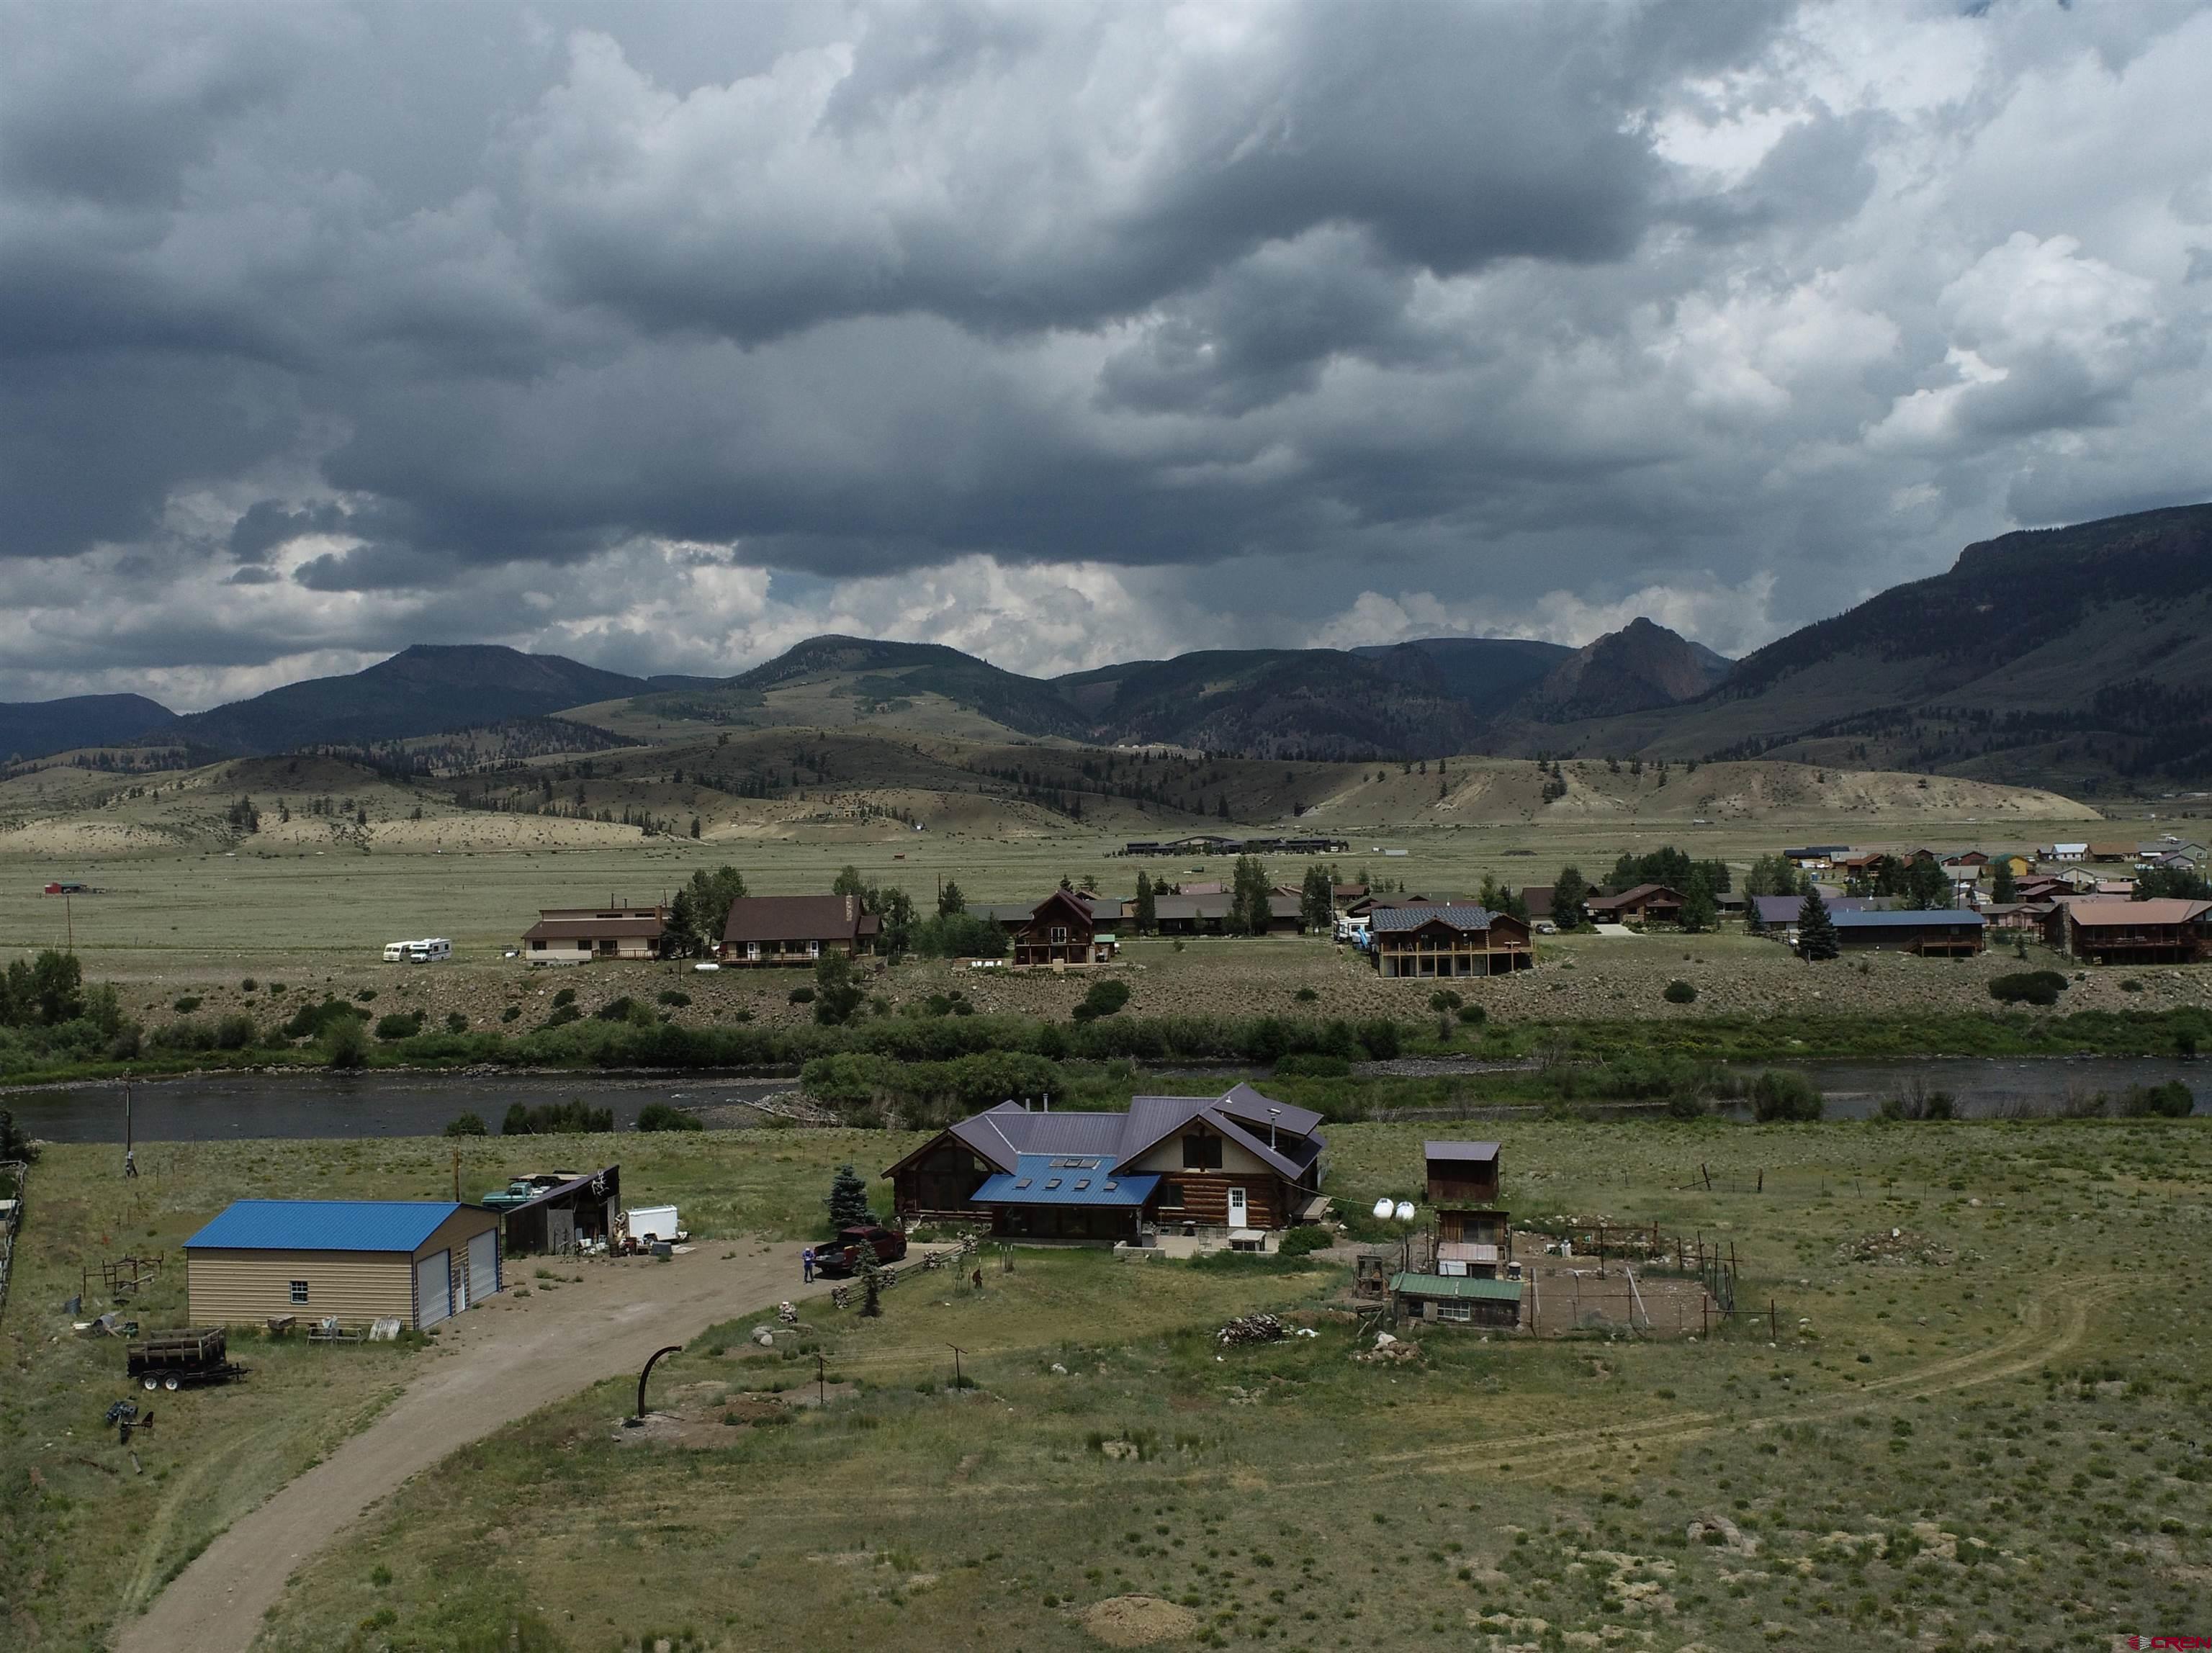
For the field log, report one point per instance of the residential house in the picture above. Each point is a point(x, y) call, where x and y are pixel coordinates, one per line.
point(1536, 898)
point(2112, 850)
point(1208, 914)
point(1455, 940)
point(1935, 933)
point(796, 930)
point(1814, 858)
point(2012, 915)
point(2063, 852)
point(1240, 1161)
point(1062, 929)
point(1647, 903)
point(2022, 865)
point(576, 935)
point(2167, 931)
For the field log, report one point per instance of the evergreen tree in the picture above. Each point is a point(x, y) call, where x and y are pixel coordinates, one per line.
point(1569, 892)
point(849, 1200)
point(2004, 887)
point(1927, 885)
point(951, 901)
point(1816, 931)
point(1147, 916)
point(848, 882)
point(1700, 912)
point(1316, 899)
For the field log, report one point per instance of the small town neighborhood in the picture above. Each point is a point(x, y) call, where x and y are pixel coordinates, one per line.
point(2098, 901)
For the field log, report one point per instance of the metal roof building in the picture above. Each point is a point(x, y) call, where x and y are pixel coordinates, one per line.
point(414, 1260)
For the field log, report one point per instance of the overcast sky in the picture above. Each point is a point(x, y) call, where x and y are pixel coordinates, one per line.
point(666, 336)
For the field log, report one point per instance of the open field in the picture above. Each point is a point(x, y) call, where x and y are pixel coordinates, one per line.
point(1998, 1437)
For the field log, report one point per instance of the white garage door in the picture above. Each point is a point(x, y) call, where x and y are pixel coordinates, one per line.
point(484, 1265)
point(433, 1290)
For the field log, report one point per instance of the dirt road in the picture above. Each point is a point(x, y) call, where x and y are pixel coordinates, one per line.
point(494, 1364)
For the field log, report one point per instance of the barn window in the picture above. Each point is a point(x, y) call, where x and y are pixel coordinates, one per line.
point(1454, 1312)
point(1202, 1153)
point(298, 1291)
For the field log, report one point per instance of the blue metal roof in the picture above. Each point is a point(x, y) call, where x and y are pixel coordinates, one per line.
point(1911, 918)
point(326, 1225)
point(1063, 1180)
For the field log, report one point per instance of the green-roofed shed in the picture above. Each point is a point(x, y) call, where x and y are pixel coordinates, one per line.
point(1456, 1299)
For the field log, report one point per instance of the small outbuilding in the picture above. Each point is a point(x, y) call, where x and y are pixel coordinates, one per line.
point(1458, 1299)
point(557, 1211)
point(418, 1261)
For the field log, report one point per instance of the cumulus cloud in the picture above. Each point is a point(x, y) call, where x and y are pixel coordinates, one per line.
point(1064, 333)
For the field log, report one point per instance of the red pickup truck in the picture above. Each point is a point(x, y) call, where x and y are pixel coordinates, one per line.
point(841, 1256)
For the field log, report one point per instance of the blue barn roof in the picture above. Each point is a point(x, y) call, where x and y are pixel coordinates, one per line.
point(326, 1225)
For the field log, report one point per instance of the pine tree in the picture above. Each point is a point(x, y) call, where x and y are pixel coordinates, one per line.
point(1316, 899)
point(1148, 914)
point(849, 1200)
point(1816, 931)
point(2004, 887)
point(951, 901)
point(1248, 910)
point(1569, 892)
point(1700, 912)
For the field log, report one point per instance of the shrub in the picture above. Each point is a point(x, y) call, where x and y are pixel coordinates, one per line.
point(248, 985)
point(1305, 995)
point(2027, 987)
point(235, 1031)
point(400, 1024)
point(187, 1005)
point(456, 1023)
point(1779, 1095)
point(1473, 1015)
point(2169, 1101)
point(1679, 992)
point(674, 999)
point(467, 1125)
point(512, 1013)
point(1312, 1066)
point(1303, 1242)
point(566, 996)
point(185, 1033)
point(344, 1044)
point(564, 1014)
point(616, 1010)
point(312, 1021)
point(2131, 986)
point(367, 995)
point(958, 935)
point(553, 1117)
point(660, 1116)
point(802, 995)
point(1104, 998)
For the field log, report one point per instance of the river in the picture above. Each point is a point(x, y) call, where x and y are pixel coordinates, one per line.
point(207, 1107)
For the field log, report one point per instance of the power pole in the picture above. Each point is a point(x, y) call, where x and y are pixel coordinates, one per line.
point(957, 1352)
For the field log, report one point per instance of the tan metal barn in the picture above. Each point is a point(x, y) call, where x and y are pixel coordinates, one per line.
point(417, 1262)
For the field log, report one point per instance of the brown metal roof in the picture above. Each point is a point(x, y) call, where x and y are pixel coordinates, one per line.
point(592, 929)
point(797, 918)
point(2168, 909)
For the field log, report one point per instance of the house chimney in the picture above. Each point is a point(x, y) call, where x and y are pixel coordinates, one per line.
point(1047, 1100)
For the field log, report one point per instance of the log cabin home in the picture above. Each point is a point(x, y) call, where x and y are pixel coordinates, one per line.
point(1424, 943)
point(1062, 929)
point(1935, 933)
point(767, 931)
point(1240, 1162)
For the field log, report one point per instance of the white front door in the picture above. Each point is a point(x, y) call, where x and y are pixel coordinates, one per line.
point(484, 1265)
point(1239, 1211)
point(433, 1290)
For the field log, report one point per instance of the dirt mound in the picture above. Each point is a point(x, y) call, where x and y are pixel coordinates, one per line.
point(1896, 1248)
point(1137, 1621)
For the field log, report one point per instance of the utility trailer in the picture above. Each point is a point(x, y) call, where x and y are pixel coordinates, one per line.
point(172, 1360)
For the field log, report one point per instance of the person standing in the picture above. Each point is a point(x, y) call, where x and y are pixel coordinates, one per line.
point(806, 1264)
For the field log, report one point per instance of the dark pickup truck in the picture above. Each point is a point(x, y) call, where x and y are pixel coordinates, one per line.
point(841, 1256)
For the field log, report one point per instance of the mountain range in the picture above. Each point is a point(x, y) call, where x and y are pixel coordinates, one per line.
point(2073, 657)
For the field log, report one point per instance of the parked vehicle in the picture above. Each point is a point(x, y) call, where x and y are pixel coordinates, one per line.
point(433, 950)
point(172, 1360)
point(841, 1256)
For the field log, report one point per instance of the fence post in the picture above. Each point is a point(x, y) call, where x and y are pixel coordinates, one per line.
point(1773, 1321)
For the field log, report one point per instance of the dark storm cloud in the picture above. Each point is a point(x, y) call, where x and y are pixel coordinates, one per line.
point(323, 313)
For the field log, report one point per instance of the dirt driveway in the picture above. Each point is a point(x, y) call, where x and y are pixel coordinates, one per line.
point(493, 1364)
